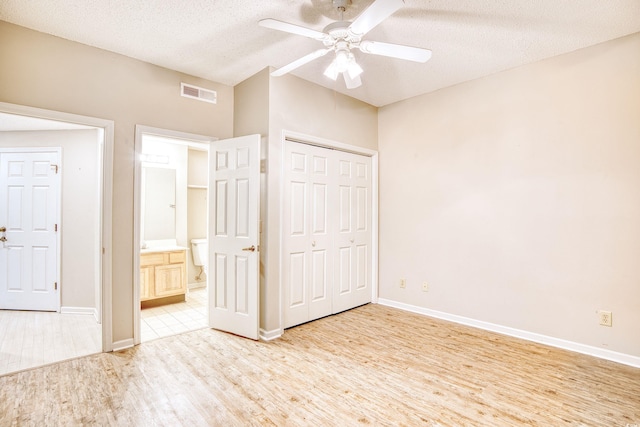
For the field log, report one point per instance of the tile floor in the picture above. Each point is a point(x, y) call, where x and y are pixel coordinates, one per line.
point(173, 319)
point(35, 338)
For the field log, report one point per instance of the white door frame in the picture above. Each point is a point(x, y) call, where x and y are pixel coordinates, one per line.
point(106, 198)
point(200, 141)
point(302, 138)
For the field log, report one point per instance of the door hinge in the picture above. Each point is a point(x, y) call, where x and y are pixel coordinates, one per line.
point(55, 167)
point(55, 228)
point(55, 286)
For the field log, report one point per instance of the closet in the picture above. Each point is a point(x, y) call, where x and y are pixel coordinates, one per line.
point(326, 240)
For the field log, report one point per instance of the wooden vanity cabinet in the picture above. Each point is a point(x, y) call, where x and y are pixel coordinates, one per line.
point(163, 277)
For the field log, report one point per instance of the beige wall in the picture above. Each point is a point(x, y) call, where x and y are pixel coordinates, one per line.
point(516, 197)
point(196, 208)
point(42, 71)
point(80, 211)
point(268, 106)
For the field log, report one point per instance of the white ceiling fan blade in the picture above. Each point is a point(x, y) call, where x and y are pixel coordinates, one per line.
point(300, 62)
point(375, 14)
point(399, 51)
point(292, 28)
point(351, 83)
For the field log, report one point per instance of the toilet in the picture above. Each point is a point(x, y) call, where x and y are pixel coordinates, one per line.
point(200, 252)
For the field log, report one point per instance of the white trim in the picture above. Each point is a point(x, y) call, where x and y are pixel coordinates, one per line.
point(374, 228)
point(302, 138)
point(192, 140)
point(601, 353)
point(122, 344)
point(78, 310)
point(106, 186)
point(196, 285)
point(270, 335)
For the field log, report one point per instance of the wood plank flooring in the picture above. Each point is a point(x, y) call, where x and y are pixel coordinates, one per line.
point(373, 365)
point(36, 338)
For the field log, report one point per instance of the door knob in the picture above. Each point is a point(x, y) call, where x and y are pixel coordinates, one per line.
point(251, 248)
point(3, 239)
point(3, 229)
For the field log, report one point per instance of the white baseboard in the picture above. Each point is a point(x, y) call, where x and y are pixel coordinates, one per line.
point(270, 335)
point(601, 353)
point(196, 285)
point(122, 344)
point(79, 310)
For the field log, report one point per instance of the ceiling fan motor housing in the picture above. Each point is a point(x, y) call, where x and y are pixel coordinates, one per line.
point(341, 5)
point(339, 33)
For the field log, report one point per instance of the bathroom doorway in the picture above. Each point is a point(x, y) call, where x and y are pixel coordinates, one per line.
point(170, 283)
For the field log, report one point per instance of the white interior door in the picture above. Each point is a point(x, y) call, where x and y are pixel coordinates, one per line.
point(234, 214)
point(327, 236)
point(353, 257)
point(307, 224)
point(29, 213)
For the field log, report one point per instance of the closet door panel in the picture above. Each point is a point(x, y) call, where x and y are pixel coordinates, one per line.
point(353, 237)
point(297, 279)
point(295, 236)
point(320, 239)
point(326, 232)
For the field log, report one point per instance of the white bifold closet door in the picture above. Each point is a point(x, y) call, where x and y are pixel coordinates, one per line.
point(326, 232)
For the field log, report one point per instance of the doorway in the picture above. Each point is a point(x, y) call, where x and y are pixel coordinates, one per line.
point(171, 186)
point(78, 322)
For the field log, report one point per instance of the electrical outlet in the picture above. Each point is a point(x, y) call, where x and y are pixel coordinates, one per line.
point(425, 287)
point(605, 318)
point(403, 283)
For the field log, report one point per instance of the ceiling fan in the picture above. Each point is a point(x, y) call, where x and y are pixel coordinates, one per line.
point(342, 37)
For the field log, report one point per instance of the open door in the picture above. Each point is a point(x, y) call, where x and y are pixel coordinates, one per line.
point(234, 239)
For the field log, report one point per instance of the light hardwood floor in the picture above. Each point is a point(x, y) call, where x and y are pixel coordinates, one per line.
point(373, 365)
point(36, 338)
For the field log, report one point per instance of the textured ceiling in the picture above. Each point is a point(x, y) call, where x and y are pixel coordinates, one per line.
point(220, 40)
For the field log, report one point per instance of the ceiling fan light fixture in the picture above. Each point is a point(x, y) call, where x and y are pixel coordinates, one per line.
point(354, 70)
point(344, 62)
point(332, 71)
point(343, 58)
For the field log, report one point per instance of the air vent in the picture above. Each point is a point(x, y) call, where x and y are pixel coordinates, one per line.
point(195, 92)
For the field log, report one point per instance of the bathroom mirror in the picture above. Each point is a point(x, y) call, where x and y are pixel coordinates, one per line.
point(159, 203)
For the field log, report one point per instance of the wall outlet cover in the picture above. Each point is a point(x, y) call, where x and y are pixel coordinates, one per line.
point(605, 318)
